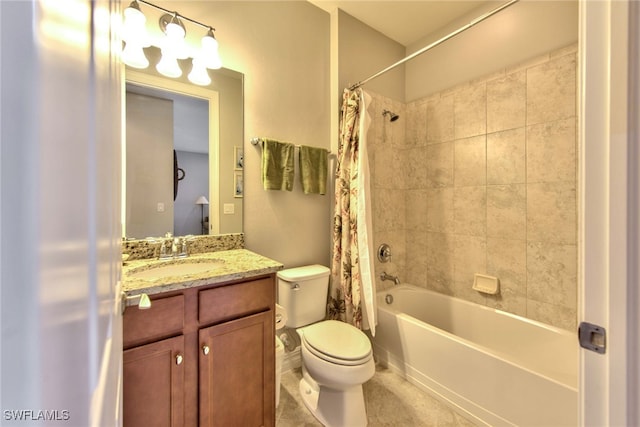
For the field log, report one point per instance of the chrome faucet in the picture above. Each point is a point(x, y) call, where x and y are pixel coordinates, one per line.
point(173, 247)
point(385, 276)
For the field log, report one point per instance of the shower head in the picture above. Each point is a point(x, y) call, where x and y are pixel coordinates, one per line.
point(392, 116)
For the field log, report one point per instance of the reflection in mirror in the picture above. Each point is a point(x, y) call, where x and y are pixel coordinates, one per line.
point(204, 126)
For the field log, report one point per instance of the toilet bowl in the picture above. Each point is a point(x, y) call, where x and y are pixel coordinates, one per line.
point(336, 357)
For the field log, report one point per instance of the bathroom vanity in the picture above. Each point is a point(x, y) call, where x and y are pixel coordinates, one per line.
point(203, 353)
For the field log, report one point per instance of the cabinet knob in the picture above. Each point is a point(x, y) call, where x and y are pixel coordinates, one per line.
point(205, 349)
point(179, 359)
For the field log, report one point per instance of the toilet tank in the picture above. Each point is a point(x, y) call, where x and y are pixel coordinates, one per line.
point(302, 291)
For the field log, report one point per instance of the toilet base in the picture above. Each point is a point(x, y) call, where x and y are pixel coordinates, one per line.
point(334, 408)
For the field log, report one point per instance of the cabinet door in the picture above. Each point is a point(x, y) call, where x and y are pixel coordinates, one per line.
point(153, 384)
point(237, 373)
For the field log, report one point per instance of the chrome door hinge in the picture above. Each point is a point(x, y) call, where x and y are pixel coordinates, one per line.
point(593, 337)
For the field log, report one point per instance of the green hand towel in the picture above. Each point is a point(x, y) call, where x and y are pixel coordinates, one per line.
point(313, 169)
point(277, 165)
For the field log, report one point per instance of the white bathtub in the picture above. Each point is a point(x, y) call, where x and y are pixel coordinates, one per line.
point(498, 368)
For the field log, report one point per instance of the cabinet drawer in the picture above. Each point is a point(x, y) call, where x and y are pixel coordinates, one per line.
point(163, 319)
point(231, 301)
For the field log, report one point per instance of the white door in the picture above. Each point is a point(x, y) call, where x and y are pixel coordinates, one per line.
point(60, 352)
point(610, 119)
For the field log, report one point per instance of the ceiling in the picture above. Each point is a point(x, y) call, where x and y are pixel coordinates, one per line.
point(405, 22)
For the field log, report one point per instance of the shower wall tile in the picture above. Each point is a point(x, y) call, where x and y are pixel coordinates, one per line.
point(440, 212)
point(398, 180)
point(440, 250)
point(551, 90)
point(470, 111)
point(382, 175)
point(416, 218)
point(555, 315)
point(551, 143)
point(439, 161)
point(416, 123)
point(507, 211)
point(376, 134)
point(506, 157)
point(440, 123)
point(387, 160)
point(415, 271)
point(399, 127)
point(552, 274)
point(470, 257)
point(416, 169)
point(470, 161)
point(470, 211)
point(482, 178)
point(551, 212)
point(389, 210)
point(506, 102)
point(416, 274)
point(507, 260)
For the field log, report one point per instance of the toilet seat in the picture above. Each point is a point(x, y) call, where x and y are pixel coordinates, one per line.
point(337, 342)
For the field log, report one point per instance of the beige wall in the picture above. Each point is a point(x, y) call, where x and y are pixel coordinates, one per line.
point(489, 172)
point(283, 50)
point(231, 103)
point(362, 52)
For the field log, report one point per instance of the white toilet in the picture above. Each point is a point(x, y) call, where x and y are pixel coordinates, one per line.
point(336, 357)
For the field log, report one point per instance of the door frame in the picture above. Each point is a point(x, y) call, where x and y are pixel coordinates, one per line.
point(609, 211)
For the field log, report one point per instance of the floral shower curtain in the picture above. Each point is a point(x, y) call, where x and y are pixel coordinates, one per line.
point(352, 293)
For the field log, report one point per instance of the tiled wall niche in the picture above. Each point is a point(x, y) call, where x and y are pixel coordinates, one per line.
point(482, 178)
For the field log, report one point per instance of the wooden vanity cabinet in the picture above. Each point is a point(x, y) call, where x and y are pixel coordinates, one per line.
point(202, 356)
point(153, 386)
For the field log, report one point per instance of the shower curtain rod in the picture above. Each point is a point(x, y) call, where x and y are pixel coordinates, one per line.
point(434, 44)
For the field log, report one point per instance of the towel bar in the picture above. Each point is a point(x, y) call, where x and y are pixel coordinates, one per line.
point(257, 141)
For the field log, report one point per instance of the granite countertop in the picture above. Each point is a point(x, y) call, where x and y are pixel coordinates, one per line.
point(234, 264)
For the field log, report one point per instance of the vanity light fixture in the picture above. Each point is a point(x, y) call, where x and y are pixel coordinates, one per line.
point(209, 51)
point(133, 56)
point(172, 45)
point(134, 29)
point(199, 74)
point(135, 36)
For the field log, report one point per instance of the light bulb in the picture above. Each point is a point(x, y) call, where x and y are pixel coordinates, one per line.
point(175, 32)
point(168, 65)
point(134, 56)
point(174, 40)
point(209, 53)
point(134, 29)
point(199, 74)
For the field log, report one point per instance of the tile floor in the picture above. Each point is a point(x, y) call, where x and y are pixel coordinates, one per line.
point(390, 400)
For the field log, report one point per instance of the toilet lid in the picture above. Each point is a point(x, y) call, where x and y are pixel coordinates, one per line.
point(338, 340)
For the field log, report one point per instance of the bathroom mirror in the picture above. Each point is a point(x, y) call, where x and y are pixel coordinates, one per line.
point(183, 155)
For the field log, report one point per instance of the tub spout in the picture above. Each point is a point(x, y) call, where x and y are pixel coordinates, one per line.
point(385, 276)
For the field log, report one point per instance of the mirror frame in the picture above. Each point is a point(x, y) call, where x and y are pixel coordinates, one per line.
point(172, 85)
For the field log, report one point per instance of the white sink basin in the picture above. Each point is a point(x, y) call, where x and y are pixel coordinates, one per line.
point(175, 268)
